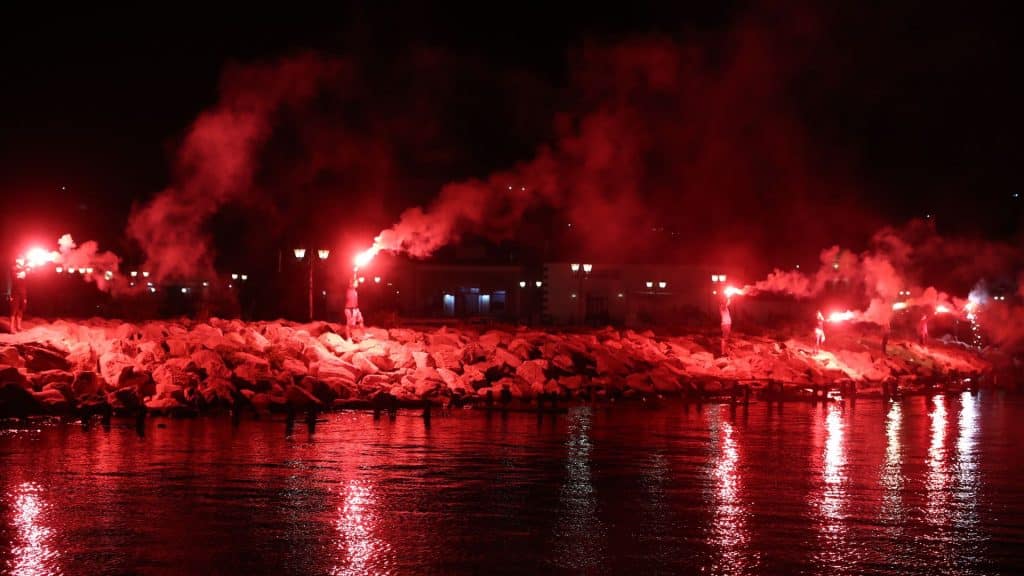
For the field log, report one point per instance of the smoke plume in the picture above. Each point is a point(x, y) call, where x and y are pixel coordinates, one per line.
point(88, 257)
point(216, 161)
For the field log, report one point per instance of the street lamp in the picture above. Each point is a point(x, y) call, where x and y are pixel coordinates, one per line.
point(522, 283)
point(580, 277)
point(300, 253)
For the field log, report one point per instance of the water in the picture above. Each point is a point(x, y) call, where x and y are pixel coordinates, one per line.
point(930, 485)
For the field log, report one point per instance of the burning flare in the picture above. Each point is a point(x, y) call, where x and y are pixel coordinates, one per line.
point(39, 257)
point(841, 316)
point(731, 291)
point(364, 257)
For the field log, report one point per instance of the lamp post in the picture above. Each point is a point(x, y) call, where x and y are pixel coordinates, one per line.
point(580, 273)
point(300, 254)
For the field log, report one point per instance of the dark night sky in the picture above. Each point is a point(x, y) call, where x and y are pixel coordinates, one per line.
point(910, 106)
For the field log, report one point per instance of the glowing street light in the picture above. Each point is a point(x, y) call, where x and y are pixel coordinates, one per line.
point(522, 283)
point(300, 253)
point(145, 274)
point(234, 276)
point(662, 285)
point(244, 277)
point(133, 273)
point(587, 268)
point(59, 269)
point(575, 267)
point(649, 284)
point(538, 283)
point(376, 279)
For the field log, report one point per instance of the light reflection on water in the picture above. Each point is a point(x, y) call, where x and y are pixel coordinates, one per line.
point(32, 550)
point(729, 532)
point(892, 471)
point(831, 502)
point(890, 488)
point(359, 546)
point(579, 534)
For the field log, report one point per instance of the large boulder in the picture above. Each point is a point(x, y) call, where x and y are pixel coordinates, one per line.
point(443, 338)
point(9, 355)
point(373, 383)
point(140, 381)
point(210, 363)
point(501, 356)
point(446, 356)
point(11, 375)
point(404, 335)
point(175, 374)
point(41, 379)
point(252, 369)
point(176, 347)
point(492, 339)
point(112, 363)
point(38, 359)
point(521, 348)
point(51, 400)
point(532, 372)
point(335, 368)
point(363, 364)
point(474, 353)
point(218, 390)
point(87, 383)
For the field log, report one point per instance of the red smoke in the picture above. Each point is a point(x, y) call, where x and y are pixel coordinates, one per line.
point(216, 161)
point(698, 137)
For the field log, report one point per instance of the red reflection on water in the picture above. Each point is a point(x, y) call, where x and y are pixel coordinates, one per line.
point(967, 480)
point(832, 499)
point(579, 531)
point(892, 470)
point(362, 552)
point(938, 472)
point(32, 553)
point(729, 527)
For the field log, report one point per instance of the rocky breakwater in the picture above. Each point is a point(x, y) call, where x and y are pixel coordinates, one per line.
point(182, 367)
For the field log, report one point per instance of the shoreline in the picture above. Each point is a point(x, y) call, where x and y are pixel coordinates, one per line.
point(183, 367)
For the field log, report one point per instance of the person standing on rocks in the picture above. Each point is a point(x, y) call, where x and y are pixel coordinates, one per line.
point(353, 317)
point(723, 310)
point(819, 333)
point(922, 329)
point(19, 295)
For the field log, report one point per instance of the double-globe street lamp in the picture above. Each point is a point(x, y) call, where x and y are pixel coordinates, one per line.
point(581, 273)
point(300, 254)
